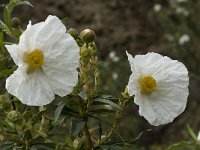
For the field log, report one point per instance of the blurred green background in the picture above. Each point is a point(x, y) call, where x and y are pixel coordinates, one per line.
point(169, 27)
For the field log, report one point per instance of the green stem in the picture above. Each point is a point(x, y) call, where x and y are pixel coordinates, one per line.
point(118, 115)
point(88, 136)
point(42, 123)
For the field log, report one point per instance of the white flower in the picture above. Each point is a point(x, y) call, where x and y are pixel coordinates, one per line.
point(157, 7)
point(160, 86)
point(47, 58)
point(184, 39)
point(113, 57)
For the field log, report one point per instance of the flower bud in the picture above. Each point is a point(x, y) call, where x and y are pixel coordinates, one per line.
point(84, 51)
point(125, 93)
point(13, 115)
point(76, 144)
point(16, 22)
point(87, 36)
point(73, 32)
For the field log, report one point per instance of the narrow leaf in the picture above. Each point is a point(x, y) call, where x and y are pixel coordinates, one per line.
point(108, 102)
point(191, 132)
point(59, 109)
point(3, 62)
point(77, 126)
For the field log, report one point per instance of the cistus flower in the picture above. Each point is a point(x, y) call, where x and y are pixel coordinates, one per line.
point(47, 58)
point(160, 86)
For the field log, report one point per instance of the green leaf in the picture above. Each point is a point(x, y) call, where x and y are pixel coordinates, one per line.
point(43, 146)
point(6, 29)
point(8, 9)
point(3, 62)
point(98, 109)
point(7, 72)
point(70, 112)
point(191, 132)
point(37, 117)
point(129, 141)
point(1, 38)
point(108, 102)
point(111, 147)
point(77, 126)
point(7, 16)
point(67, 111)
point(181, 144)
point(6, 146)
point(59, 109)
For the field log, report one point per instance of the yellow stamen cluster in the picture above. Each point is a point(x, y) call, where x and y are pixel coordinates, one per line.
point(35, 58)
point(147, 84)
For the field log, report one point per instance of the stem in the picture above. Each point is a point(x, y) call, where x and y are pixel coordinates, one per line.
point(118, 115)
point(42, 123)
point(27, 145)
point(110, 133)
point(88, 136)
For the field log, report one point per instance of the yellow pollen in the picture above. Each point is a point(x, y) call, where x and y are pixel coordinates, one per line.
point(35, 58)
point(147, 84)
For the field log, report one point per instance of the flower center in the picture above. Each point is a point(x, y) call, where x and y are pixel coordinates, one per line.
point(147, 84)
point(35, 58)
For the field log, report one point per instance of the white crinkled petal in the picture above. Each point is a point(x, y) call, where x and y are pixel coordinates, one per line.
point(47, 36)
point(14, 53)
point(133, 84)
point(131, 61)
point(27, 39)
point(61, 62)
point(37, 35)
point(30, 89)
point(170, 97)
point(165, 105)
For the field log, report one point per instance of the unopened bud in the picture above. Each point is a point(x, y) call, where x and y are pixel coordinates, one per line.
point(73, 32)
point(87, 36)
point(125, 93)
point(76, 144)
point(13, 115)
point(16, 22)
point(84, 52)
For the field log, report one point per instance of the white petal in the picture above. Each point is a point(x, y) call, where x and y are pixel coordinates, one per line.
point(27, 39)
point(133, 84)
point(49, 33)
point(61, 62)
point(131, 61)
point(35, 36)
point(162, 106)
point(14, 53)
point(30, 89)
